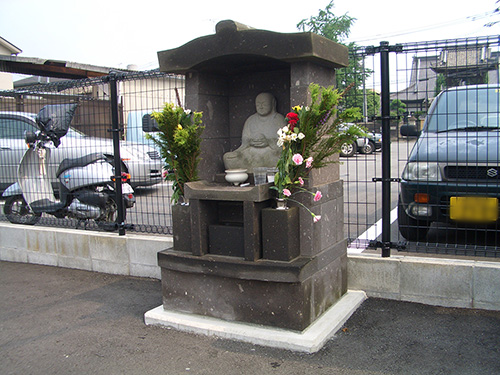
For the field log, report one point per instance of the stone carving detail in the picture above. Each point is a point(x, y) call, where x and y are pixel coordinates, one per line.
point(258, 141)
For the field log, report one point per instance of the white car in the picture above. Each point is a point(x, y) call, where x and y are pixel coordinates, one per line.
point(143, 162)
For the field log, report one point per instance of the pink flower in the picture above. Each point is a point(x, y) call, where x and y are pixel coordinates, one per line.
point(316, 218)
point(164, 174)
point(286, 192)
point(318, 196)
point(297, 159)
point(301, 181)
point(309, 162)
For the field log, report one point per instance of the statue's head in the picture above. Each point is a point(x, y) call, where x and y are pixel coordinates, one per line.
point(265, 104)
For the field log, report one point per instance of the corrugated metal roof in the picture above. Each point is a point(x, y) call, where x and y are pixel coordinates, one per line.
point(52, 68)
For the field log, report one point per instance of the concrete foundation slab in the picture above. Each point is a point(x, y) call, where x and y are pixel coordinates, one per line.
point(309, 340)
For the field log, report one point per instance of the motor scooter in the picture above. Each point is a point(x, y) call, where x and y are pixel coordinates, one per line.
point(86, 184)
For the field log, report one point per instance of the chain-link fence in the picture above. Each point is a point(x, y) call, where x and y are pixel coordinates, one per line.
point(91, 133)
point(441, 197)
point(441, 169)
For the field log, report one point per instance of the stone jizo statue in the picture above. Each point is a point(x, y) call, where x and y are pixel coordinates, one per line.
point(258, 140)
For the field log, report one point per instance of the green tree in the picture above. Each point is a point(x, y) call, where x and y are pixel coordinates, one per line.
point(440, 84)
point(372, 103)
point(397, 107)
point(354, 98)
point(337, 28)
point(326, 23)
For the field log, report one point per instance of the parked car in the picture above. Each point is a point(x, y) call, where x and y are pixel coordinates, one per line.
point(373, 143)
point(453, 171)
point(364, 145)
point(143, 162)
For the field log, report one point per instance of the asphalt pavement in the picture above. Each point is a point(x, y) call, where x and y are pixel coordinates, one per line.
point(63, 321)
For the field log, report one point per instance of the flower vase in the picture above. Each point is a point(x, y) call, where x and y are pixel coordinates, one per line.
point(281, 204)
point(183, 201)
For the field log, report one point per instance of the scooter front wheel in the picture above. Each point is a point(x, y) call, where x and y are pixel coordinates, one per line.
point(17, 211)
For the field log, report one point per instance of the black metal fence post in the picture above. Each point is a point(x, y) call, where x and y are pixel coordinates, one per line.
point(116, 148)
point(386, 149)
point(386, 179)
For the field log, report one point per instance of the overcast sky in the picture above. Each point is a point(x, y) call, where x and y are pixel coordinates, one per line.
point(117, 33)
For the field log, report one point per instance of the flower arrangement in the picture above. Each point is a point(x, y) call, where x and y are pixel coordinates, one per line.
point(179, 140)
point(312, 135)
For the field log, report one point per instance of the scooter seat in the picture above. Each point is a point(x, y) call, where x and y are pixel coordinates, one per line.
point(46, 205)
point(79, 162)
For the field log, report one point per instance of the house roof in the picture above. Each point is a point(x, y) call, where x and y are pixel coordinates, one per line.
point(51, 68)
point(422, 80)
point(9, 46)
point(465, 58)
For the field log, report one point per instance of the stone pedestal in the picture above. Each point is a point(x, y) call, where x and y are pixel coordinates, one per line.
point(289, 295)
point(251, 263)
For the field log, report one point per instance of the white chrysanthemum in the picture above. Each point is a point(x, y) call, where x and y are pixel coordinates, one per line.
point(301, 136)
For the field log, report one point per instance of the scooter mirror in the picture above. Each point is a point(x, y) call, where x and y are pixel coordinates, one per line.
point(29, 137)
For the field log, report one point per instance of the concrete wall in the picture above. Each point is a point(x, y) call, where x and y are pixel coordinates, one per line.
point(132, 254)
point(433, 281)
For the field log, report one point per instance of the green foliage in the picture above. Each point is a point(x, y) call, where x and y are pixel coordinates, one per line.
point(316, 135)
point(179, 141)
point(326, 23)
point(337, 28)
point(322, 124)
point(397, 108)
point(372, 103)
point(355, 99)
point(354, 74)
point(440, 84)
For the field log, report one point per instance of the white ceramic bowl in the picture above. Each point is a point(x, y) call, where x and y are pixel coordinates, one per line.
point(236, 176)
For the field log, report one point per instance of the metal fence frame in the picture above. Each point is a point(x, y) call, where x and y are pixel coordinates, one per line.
point(369, 183)
point(480, 57)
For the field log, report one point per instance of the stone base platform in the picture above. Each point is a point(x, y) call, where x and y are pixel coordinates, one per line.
point(309, 340)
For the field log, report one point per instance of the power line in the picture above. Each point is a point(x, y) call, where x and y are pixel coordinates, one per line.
point(427, 28)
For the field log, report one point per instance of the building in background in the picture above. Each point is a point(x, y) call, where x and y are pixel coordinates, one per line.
point(458, 66)
point(7, 49)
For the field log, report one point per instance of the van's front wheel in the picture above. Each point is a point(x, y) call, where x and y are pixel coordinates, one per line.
point(17, 211)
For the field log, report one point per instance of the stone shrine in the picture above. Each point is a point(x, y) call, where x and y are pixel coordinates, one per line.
point(235, 257)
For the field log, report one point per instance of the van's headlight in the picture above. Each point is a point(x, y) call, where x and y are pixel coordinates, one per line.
point(422, 171)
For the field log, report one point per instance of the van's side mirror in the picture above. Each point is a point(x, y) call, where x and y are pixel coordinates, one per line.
point(149, 124)
point(409, 131)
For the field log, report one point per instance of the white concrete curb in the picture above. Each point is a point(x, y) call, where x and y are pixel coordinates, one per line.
point(133, 254)
point(310, 340)
point(432, 281)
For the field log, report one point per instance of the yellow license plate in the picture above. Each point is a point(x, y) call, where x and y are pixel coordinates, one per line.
point(474, 209)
